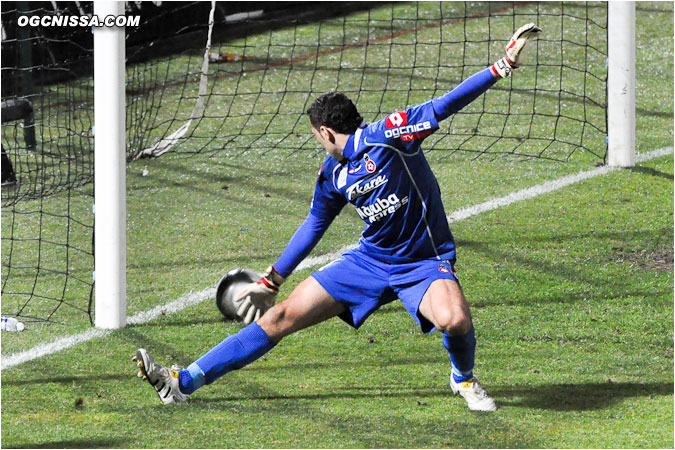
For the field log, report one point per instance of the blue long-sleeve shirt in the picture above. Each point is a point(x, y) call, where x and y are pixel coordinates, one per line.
point(302, 242)
point(386, 176)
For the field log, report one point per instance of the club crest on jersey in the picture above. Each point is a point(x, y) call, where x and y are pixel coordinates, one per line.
point(370, 164)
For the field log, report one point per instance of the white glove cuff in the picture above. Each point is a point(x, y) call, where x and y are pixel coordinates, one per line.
point(502, 68)
point(273, 277)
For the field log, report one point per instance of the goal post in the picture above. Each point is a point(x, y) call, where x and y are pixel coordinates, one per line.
point(109, 170)
point(621, 84)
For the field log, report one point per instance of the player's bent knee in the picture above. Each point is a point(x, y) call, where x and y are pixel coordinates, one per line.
point(456, 323)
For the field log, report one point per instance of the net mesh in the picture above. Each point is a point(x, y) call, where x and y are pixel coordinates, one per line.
point(265, 66)
point(394, 56)
point(47, 225)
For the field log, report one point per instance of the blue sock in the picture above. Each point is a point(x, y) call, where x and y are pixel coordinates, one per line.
point(233, 353)
point(190, 379)
point(462, 350)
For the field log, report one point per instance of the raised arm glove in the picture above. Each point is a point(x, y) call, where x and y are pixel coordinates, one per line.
point(514, 51)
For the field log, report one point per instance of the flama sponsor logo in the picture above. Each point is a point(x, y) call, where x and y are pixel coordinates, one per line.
point(362, 187)
point(382, 207)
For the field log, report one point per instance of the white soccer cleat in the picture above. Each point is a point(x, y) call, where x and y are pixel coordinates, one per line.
point(164, 380)
point(474, 394)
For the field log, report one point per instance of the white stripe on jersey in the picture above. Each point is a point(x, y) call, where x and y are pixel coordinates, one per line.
point(419, 194)
point(357, 138)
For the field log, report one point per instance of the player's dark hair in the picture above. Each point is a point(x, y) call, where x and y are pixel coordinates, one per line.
point(335, 110)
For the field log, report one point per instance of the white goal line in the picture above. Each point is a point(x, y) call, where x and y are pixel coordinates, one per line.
point(194, 298)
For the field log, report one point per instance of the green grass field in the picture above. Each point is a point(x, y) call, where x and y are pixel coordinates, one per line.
point(571, 293)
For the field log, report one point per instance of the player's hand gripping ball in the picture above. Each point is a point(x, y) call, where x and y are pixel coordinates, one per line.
point(245, 295)
point(515, 50)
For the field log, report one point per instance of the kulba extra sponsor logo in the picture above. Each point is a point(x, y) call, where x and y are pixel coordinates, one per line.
point(359, 189)
point(381, 208)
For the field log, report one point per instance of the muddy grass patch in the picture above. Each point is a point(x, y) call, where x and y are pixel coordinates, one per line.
point(657, 259)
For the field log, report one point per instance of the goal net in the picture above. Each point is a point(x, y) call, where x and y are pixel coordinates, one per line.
point(234, 78)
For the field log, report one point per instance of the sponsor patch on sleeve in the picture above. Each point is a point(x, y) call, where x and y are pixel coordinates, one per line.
point(397, 127)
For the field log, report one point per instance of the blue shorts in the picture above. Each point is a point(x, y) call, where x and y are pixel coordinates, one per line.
point(363, 284)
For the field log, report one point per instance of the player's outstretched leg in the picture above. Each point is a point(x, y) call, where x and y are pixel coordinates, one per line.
point(307, 305)
point(444, 305)
point(236, 351)
point(233, 353)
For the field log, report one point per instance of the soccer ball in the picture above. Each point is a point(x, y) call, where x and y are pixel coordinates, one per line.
point(229, 286)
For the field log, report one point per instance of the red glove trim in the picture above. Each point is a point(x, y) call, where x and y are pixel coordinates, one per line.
point(268, 284)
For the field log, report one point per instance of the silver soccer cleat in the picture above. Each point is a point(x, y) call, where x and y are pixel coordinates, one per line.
point(474, 394)
point(164, 380)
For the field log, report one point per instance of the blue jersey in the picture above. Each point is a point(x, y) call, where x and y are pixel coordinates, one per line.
point(386, 176)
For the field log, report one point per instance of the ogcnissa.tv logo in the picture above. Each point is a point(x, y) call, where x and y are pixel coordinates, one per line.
point(397, 126)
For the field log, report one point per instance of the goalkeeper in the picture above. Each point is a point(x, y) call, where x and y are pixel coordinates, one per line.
point(406, 250)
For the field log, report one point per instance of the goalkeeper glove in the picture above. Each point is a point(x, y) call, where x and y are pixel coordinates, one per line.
point(514, 51)
point(257, 298)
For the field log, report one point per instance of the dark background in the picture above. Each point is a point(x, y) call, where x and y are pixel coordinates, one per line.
point(54, 54)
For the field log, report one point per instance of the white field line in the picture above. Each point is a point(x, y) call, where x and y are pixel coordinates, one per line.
point(495, 203)
point(194, 298)
point(65, 342)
